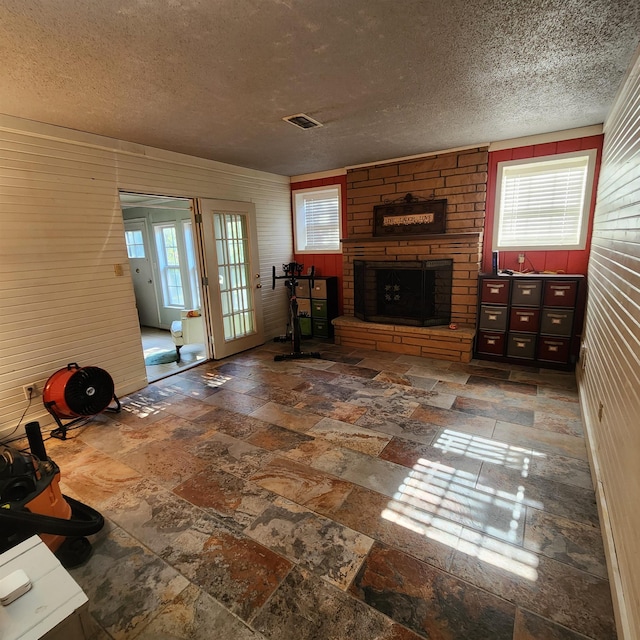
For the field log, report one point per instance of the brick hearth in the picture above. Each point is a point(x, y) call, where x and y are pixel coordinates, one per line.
point(441, 343)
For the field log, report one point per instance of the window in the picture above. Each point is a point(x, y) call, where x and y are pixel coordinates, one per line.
point(135, 244)
point(169, 259)
point(543, 203)
point(317, 216)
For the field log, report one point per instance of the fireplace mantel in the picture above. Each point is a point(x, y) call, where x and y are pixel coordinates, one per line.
point(465, 236)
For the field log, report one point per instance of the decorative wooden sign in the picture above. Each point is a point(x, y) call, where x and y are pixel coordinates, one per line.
point(410, 216)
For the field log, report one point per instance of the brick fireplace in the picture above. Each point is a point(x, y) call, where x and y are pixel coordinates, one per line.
point(461, 178)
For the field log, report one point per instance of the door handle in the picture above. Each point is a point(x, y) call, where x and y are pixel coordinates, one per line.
point(259, 286)
point(150, 281)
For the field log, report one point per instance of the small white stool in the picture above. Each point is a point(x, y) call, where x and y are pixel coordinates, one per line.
point(187, 330)
point(55, 608)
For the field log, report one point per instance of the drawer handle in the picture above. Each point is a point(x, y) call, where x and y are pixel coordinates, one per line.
point(520, 345)
point(553, 348)
point(494, 317)
point(556, 321)
point(525, 292)
point(558, 292)
point(524, 318)
point(491, 341)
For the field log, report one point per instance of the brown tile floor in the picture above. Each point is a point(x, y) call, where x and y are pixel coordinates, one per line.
point(361, 496)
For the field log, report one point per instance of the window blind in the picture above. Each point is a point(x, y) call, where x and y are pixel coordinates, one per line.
point(322, 221)
point(542, 203)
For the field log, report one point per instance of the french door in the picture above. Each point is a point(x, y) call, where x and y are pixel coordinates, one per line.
point(229, 239)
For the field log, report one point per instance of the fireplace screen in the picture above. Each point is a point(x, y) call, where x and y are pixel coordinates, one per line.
point(414, 293)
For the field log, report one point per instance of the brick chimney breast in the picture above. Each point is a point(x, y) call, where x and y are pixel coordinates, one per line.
point(459, 177)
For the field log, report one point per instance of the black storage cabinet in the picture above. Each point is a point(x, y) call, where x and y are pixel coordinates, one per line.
point(533, 319)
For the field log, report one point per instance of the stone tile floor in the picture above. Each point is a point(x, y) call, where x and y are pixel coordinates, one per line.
point(364, 496)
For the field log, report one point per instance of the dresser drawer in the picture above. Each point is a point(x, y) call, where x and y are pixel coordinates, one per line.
point(321, 328)
point(521, 345)
point(490, 342)
point(303, 289)
point(493, 318)
point(495, 291)
point(553, 349)
point(524, 320)
point(304, 307)
point(526, 292)
point(319, 289)
point(319, 308)
point(556, 322)
point(305, 326)
point(560, 294)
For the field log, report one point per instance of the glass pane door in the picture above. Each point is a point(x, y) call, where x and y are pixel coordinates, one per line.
point(231, 258)
point(236, 296)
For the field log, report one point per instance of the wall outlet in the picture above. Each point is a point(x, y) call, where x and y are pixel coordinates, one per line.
point(30, 395)
point(521, 258)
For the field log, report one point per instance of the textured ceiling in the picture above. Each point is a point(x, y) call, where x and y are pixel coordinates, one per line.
point(388, 78)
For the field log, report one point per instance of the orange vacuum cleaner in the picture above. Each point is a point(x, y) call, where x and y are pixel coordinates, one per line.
point(31, 503)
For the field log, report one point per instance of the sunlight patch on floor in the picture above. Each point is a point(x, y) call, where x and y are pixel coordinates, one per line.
point(487, 450)
point(447, 505)
point(144, 408)
point(215, 379)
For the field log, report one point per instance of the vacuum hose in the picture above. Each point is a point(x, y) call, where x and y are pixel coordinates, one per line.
point(84, 521)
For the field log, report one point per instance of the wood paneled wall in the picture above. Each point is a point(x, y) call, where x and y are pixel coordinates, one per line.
point(62, 234)
point(609, 371)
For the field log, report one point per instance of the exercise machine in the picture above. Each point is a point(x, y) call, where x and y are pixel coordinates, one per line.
point(292, 274)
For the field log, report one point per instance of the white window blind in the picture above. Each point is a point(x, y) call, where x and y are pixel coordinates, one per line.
point(543, 203)
point(317, 217)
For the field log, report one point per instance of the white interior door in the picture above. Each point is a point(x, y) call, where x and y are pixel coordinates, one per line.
point(232, 265)
point(142, 276)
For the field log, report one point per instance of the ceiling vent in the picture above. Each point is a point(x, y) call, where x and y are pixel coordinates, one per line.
point(302, 121)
